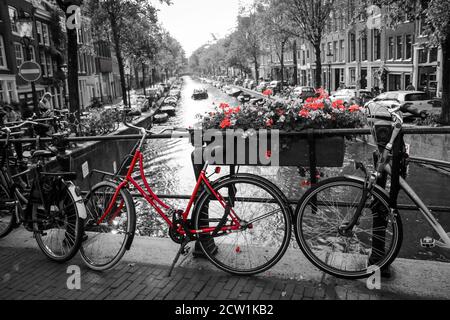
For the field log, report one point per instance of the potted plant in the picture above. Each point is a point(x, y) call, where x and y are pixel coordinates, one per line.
point(285, 116)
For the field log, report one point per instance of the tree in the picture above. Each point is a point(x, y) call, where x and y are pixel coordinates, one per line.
point(276, 28)
point(72, 53)
point(436, 16)
point(121, 17)
point(309, 19)
point(248, 37)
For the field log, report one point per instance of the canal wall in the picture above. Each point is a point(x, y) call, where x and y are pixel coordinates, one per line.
point(103, 155)
point(432, 146)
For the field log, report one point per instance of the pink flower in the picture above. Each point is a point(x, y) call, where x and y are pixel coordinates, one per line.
point(304, 113)
point(269, 123)
point(268, 154)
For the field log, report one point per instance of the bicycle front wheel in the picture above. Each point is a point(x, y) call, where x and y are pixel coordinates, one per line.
point(265, 219)
point(373, 243)
point(107, 240)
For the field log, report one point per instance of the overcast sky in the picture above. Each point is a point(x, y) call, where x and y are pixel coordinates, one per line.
point(192, 21)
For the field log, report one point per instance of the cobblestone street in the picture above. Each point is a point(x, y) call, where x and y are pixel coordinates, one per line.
point(26, 274)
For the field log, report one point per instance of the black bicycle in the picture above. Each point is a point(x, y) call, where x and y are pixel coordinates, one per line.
point(50, 205)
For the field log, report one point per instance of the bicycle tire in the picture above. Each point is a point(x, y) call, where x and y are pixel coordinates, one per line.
point(6, 211)
point(75, 235)
point(103, 259)
point(317, 247)
point(271, 242)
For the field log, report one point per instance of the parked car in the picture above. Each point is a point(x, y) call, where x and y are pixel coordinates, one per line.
point(200, 94)
point(304, 92)
point(418, 99)
point(349, 96)
point(275, 86)
point(244, 97)
point(235, 92)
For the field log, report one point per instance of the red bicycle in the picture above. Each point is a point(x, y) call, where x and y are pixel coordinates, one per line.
point(241, 222)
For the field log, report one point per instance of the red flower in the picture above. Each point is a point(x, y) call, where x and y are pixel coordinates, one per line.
point(268, 154)
point(226, 123)
point(237, 110)
point(304, 113)
point(268, 92)
point(354, 108)
point(337, 104)
point(224, 106)
point(269, 123)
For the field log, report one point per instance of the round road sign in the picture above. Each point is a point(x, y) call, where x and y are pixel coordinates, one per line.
point(30, 71)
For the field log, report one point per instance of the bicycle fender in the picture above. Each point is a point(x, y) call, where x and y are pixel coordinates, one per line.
point(383, 191)
point(79, 201)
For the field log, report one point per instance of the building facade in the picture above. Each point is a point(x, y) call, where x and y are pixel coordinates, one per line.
point(356, 53)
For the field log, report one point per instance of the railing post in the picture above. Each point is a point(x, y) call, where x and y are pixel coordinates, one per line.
point(312, 157)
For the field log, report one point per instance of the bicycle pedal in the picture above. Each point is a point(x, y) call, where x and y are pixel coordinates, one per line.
point(428, 243)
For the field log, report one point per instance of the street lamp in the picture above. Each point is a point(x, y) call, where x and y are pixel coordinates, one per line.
point(25, 29)
point(128, 75)
point(330, 59)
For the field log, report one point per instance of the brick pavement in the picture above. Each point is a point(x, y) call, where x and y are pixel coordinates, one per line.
point(26, 274)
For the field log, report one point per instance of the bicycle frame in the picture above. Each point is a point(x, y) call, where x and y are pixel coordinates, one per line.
point(384, 166)
point(159, 205)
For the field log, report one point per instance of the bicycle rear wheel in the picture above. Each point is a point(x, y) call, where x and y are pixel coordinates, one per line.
point(108, 240)
point(7, 210)
point(265, 218)
point(373, 243)
point(59, 233)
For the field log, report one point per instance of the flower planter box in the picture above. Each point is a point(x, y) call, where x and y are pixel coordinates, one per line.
point(293, 151)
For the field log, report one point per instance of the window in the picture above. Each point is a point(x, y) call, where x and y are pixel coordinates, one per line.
point(395, 82)
point(409, 46)
point(45, 34)
point(13, 16)
point(376, 44)
point(364, 48)
point(39, 32)
point(49, 66)
point(335, 51)
point(352, 47)
point(423, 55)
point(43, 63)
point(433, 55)
point(10, 88)
point(352, 75)
point(391, 48)
point(31, 53)
point(416, 97)
point(342, 51)
point(2, 93)
point(18, 51)
point(399, 51)
point(3, 64)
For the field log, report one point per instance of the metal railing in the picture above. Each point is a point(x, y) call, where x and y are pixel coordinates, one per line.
point(310, 136)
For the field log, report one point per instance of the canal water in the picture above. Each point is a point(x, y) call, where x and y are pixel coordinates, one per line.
point(169, 171)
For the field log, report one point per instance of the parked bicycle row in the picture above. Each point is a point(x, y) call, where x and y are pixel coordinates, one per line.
point(347, 227)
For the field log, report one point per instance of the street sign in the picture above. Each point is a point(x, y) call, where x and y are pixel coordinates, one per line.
point(30, 71)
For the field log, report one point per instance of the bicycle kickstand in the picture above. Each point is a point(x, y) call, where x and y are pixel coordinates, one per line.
point(177, 257)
